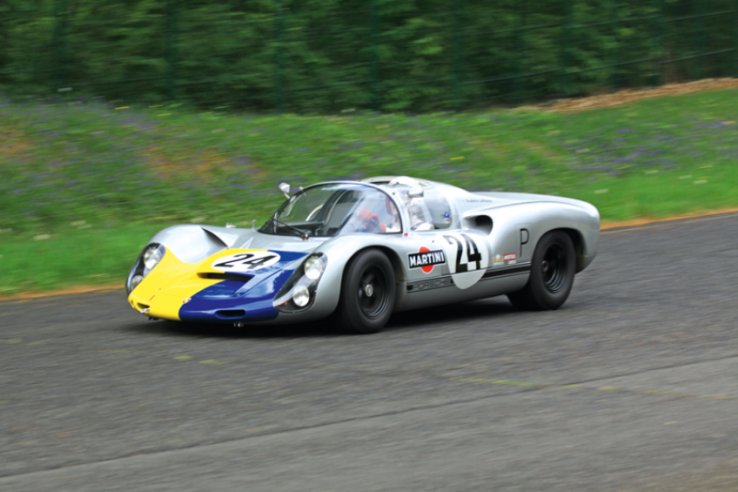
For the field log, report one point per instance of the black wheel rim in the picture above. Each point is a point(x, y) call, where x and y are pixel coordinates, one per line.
point(554, 268)
point(372, 292)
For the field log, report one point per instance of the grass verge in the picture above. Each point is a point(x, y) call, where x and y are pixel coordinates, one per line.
point(83, 185)
point(90, 257)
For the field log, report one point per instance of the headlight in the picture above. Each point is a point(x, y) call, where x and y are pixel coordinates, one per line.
point(299, 291)
point(136, 280)
point(313, 267)
point(152, 257)
point(147, 261)
point(301, 297)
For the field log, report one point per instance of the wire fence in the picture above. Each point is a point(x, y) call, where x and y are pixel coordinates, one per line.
point(321, 56)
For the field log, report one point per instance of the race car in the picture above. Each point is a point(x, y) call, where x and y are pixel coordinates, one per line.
point(357, 251)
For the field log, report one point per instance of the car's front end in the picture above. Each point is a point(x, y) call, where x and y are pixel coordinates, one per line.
point(288, 270)
point(234, 285)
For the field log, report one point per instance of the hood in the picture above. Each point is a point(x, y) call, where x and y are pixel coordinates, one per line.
point(194, 243)
point(232, 280)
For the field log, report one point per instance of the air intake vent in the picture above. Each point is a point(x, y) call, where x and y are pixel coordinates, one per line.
point(230, 313)
point(226, 276)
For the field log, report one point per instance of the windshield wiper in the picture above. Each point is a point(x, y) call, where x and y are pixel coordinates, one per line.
point(299, 232)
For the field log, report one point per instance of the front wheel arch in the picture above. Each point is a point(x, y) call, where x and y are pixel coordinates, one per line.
point(352, 314)
point(392, 256)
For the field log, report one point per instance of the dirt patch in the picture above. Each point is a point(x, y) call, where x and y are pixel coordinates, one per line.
point(631, 95)
point(63, 292)
point(640, 222)
point(173, 165)
point(196, 165)
point(13, 142)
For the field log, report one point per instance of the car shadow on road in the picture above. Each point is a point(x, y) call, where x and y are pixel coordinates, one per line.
point(408, 320)
point(218, 330)
point(469, 311)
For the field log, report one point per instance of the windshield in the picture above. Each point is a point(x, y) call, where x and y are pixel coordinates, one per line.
point(334, 209)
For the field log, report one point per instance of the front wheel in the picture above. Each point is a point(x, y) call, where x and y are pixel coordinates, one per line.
point(551, 276)
point(367, 293)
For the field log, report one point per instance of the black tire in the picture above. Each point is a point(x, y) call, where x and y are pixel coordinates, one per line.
point(552, 274)
point(367, 293)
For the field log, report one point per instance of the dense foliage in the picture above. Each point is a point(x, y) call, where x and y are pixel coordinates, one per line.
point(332, 55)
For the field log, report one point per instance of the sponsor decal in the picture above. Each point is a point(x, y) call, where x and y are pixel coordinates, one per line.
point(246, 262)
point(510, 258)
point(426, 259)
point(498, 260)
point(446, 215)
point(187, 300)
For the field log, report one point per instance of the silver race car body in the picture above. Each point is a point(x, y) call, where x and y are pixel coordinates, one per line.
point(415, 242)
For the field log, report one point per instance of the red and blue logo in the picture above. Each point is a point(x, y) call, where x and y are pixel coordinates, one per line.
point(426, 259)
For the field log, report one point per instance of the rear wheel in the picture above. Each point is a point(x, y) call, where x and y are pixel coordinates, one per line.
point(367, 293)
point(551, 276)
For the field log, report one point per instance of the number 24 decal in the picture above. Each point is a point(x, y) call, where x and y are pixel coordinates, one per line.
point(246, 261)
point(468, 250)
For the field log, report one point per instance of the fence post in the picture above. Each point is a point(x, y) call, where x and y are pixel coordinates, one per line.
point(520, 55)
point(59, 40)
point(278, 76)
point(659, 48)
point(172, 38)
point(374, 55)
point(564, 61)
point(458, 54)
point(615, 53)
point(734, 60)
point(699, 35)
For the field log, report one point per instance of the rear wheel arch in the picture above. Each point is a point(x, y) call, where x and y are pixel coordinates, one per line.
point(578, 240)
point(553, 267)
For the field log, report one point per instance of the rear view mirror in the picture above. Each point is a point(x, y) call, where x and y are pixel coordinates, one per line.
point(285, 188)
point(415, 192)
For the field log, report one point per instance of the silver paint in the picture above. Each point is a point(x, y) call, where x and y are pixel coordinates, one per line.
point(511, 216)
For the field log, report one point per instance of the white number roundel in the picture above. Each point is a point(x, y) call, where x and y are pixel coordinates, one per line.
point(246, 262)
point(468, 258)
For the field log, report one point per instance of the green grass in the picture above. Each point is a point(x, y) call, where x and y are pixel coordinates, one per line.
point(99, 181)
point(87, 257)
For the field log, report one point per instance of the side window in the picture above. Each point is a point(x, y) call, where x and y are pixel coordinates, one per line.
point(374, 213)
point(417, 210)
point(439, 210)
point(389, 215)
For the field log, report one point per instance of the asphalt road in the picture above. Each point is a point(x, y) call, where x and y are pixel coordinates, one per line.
point(632, 385)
